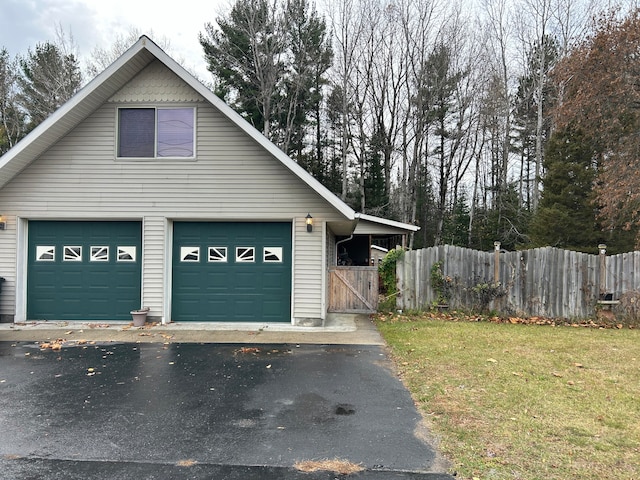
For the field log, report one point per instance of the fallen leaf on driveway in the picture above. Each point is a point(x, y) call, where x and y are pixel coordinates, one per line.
point(247, 350)
point(342, 467)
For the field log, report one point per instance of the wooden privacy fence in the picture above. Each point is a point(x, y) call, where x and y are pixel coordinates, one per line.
point(353, 289)
point(545, 282)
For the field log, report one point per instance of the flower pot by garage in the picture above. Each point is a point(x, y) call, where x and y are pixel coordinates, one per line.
point(139, 317)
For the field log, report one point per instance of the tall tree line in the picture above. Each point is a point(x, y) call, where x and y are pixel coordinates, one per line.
point(466, 121)
point(426, 112)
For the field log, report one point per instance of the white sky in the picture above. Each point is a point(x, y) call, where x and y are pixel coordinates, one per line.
point(96, 23)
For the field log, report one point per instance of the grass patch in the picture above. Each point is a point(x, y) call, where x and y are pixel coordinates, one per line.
point(512, 401)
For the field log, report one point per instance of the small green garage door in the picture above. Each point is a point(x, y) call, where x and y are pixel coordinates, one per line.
point(230, 272)
point(83, 270)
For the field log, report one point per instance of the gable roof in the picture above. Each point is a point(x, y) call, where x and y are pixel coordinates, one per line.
point(113, 78)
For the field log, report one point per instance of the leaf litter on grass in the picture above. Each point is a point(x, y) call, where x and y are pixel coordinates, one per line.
point(535, 411)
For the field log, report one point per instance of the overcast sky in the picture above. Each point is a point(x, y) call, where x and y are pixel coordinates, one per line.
point(24, 23)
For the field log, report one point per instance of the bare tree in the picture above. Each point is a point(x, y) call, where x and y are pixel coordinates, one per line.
point(12, 121)
point(349, 31)
point(101, 57)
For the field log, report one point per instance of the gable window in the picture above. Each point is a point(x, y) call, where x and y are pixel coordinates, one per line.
point(156, 132)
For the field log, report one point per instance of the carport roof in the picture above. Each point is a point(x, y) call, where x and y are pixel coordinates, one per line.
point(114, 77)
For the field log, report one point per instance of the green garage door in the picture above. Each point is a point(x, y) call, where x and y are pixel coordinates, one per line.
point(83, 270)
point(231, 272)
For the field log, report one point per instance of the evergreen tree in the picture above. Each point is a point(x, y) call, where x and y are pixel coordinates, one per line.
point(567, 217)
point(269, 62)
point(456, 225)
point(245, 54)
point(48, 78)
point(507, 221)
point(374, 181)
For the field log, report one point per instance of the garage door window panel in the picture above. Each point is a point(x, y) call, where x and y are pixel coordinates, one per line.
point(245, 254)
point(218, 254)
point(99, 254)
point(272, 254)
point(45, 253)
point(127, 254)
point(189, 254)
point(72, 254)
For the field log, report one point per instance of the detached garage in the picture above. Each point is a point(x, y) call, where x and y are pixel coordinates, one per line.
point(201, 219)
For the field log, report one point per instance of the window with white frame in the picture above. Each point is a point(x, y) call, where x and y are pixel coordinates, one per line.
point(156, 132)
point(245, 254)
point(217, 254)
point(45, 253)
point(189, 254)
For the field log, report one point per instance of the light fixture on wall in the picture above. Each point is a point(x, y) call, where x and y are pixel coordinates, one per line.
point(3, 223)
point(309, 220)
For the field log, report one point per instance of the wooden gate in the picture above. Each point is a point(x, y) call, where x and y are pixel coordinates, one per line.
point(353, 289)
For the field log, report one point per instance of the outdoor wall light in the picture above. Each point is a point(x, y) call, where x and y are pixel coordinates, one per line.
point(309, 220)
point(3, 223)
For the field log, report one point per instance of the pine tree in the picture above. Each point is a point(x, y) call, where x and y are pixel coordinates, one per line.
point(567, 214)
point(48, 78)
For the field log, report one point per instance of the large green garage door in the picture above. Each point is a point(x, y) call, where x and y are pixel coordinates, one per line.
point(231, 272)
point(83, 270)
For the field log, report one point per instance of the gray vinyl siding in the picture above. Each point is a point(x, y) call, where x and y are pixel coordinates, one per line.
point(332, 257)
point(8, 253)
point(153, 264)
point(307, 271)
point(232, 178)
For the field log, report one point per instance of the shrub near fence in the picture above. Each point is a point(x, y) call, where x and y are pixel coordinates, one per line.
point(546, 282)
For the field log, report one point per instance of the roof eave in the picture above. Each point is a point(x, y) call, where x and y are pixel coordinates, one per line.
point(390, 223)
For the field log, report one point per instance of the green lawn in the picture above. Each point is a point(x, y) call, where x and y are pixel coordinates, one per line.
point(524, 401)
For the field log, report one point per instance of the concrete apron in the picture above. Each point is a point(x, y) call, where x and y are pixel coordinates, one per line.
point(339, 329)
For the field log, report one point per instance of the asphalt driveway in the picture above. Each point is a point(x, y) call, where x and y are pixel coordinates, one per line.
point(196, 411)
